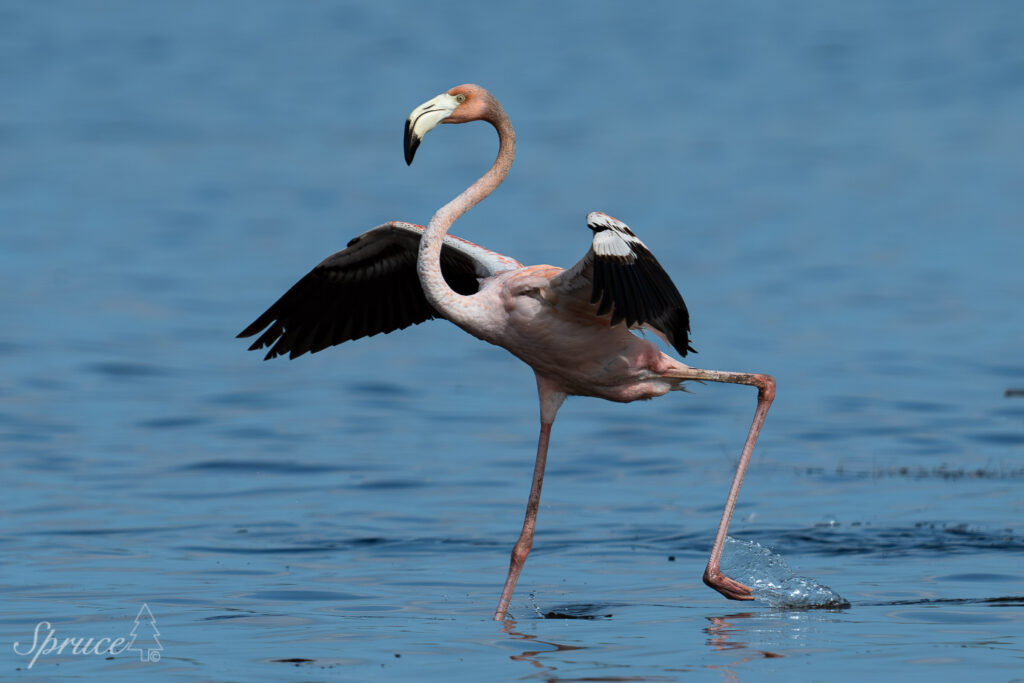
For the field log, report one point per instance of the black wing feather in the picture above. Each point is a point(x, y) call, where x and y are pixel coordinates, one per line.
point(641, 273)
point(628, 282)
point(347, 297)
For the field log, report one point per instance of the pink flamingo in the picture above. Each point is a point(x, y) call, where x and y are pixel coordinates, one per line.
point(565, 324)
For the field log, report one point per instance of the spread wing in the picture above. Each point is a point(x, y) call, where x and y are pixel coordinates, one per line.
point(367, 288)
point(620, 275)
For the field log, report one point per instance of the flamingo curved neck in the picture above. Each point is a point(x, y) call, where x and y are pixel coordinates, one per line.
point(456, 307)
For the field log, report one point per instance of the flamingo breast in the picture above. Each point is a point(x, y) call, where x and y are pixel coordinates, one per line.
point(563, 339)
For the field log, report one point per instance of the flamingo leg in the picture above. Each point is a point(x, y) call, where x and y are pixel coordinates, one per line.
point(713, 576)
point(525, 542)
point(550, 400)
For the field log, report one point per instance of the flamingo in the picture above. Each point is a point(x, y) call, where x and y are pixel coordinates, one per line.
point(573, 327)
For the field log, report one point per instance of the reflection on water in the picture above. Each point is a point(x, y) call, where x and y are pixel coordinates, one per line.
point(533, 656)
point(722, 635)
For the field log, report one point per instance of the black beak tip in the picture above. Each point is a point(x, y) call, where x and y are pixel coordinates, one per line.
point(411, 143)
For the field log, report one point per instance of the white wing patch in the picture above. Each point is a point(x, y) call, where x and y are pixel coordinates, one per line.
point(614, 244)
point(612, 238)
point(598, 220)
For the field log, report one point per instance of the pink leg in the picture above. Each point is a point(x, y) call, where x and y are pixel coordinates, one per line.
point(765, 384)
point(550, 400)
point(525, 542)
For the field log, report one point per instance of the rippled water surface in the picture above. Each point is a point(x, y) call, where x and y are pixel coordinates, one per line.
point(835, 188)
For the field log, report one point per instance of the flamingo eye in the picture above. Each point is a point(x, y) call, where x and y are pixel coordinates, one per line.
point(460, 98)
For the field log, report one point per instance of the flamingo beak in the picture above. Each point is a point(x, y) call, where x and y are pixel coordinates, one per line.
point(423, 119)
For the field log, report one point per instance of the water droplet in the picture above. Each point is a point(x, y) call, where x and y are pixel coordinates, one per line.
point(772, 579)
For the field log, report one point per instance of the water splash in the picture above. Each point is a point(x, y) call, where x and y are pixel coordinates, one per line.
point(773, 581)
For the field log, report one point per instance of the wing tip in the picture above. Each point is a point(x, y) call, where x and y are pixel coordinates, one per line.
point(255, 327)
point(678, 331)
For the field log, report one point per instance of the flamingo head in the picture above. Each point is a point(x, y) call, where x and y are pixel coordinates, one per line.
point(460, 104)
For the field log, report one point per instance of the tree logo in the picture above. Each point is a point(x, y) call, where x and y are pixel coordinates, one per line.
point(144, 636)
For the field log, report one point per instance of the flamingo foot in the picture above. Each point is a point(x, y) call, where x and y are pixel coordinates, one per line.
point(730, 588)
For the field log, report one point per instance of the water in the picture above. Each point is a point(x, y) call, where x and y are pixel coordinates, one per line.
point(834, 187)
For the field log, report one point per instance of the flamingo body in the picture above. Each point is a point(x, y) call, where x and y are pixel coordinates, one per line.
point(560, 336)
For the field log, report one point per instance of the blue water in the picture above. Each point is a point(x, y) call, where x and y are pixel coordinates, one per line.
point(835, 188)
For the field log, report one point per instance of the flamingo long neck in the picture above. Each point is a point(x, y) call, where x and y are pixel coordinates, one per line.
point(452, 305)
